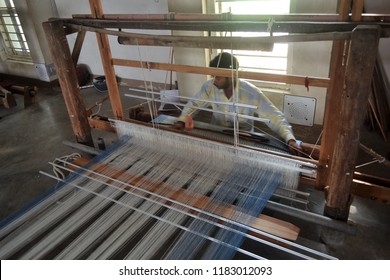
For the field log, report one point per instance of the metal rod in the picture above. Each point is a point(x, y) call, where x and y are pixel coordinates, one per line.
point(205, 109)
point(196, 99)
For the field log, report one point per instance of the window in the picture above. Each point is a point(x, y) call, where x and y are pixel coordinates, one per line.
point(11, 32)
point(260, 61)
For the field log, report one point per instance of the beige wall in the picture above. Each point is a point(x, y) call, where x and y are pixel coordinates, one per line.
point(311, 58)
point(90, 52)
point(189, 84)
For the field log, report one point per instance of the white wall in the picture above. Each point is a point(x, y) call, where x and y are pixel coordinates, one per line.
point(90, 52)
point(189, 84)
point(311, 58)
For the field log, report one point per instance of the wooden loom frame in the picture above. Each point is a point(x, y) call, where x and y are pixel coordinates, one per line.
point(355, 38)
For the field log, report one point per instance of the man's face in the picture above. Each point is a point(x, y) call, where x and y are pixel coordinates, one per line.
point(222, 82)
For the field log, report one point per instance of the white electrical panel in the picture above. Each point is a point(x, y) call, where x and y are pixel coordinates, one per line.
point(299, 109)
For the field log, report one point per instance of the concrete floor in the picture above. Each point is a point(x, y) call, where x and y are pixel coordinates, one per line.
point(33, 136)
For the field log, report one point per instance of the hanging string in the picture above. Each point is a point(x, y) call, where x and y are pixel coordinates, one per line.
point(170, 59)
point(99, 104)
point(369, 163)
point(256, 128)
point(151, 104)
point(58, 171)
point(316, 143)
point(235, 89)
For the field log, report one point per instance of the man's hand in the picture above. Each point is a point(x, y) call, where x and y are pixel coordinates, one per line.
point(178, 125)
point(294, 148)
point(188, 124)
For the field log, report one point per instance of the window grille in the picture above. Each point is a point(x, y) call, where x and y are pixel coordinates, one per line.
point(11, 32)
point(260, 61)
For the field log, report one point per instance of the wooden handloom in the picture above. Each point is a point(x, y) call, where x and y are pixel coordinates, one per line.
point(347, 86)
point(355, 37)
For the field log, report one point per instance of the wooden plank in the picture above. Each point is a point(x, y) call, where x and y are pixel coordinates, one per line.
point(109, 72)
point(66, 73)
point(371, 191)
point(264, 223)
point(100, 124)
point(372, 180)
point(358, 76)
point(290, 79)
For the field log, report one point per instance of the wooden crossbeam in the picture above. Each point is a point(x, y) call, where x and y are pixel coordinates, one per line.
point(227, 26)
point(290, 79)
point(319, 17)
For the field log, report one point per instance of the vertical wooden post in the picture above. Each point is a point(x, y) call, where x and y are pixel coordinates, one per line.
point(66, 73)
point(358, 75)
point(332, 108)
point(357, 10)
point(109, 72)
point(77, 46)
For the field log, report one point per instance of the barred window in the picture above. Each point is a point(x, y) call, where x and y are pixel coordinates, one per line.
point(11, 32)
point(260, 61)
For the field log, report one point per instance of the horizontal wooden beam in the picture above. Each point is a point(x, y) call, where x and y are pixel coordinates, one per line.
point(101, 124)
point(226, 26)
point(289, 79)
point(235, 43)
point(263, 43)
point(214, 17)
point(234, 17)
point(370, 187)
